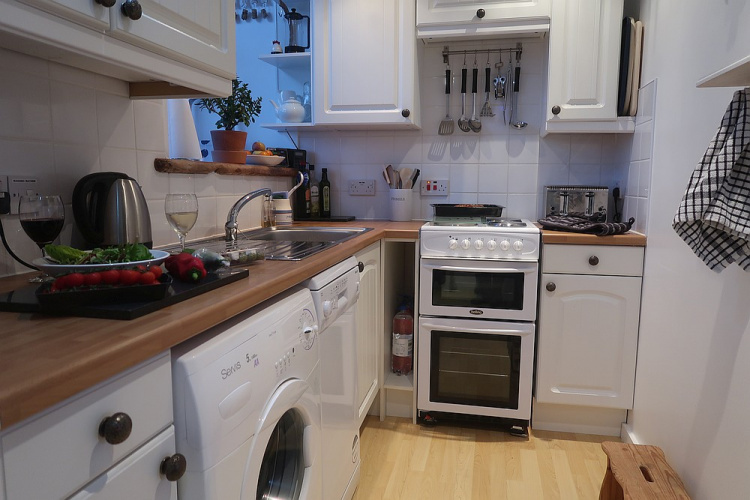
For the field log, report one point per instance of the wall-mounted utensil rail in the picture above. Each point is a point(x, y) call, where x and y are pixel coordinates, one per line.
point(518, 50)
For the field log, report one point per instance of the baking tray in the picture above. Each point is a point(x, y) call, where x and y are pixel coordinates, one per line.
point(467, 210)
point(103, 294)
point(24, 300)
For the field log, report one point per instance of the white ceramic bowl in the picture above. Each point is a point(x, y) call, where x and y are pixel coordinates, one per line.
point(268, 161)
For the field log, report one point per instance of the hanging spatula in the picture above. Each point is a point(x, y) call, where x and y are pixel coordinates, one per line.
point(446, 126)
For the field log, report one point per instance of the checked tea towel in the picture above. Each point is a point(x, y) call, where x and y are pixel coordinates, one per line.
point(714, 215)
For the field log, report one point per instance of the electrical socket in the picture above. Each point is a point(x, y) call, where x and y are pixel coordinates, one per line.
point(19, 186)
point(428, 187)
point(362, 187)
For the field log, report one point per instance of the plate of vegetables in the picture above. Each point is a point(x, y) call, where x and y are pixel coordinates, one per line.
point(62, 259)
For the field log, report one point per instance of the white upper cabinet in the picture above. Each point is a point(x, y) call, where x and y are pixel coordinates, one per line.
point(443, 19)
point(88, 13)
point(364, 63)
point(173, 48)
point(584, 59)
point(196, 32)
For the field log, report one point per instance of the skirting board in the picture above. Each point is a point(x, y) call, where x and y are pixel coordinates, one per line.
point(578, 419)
point(628, 436)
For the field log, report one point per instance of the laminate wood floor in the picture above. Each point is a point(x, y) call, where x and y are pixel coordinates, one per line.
point(401, 460)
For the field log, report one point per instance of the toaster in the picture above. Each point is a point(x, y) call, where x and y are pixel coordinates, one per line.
point(588, 200)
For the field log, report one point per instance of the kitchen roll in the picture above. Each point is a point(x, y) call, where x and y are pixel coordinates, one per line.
point(183, 138)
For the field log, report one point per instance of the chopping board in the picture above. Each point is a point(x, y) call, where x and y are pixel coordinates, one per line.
point(24, 299)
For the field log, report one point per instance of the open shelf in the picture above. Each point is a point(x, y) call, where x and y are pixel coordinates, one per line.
point(286, 126)
point(399, 382)
point(284, 61)
point(736, 74)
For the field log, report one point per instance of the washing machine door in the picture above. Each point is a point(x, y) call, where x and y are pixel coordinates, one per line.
point(284, 462)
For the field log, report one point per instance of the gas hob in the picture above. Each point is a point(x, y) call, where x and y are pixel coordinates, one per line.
point(490, 238)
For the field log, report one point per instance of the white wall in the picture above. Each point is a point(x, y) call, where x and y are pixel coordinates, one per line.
point(59, 123)
point(691, 394)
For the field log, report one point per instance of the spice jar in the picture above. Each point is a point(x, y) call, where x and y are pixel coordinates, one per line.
point(276, 48)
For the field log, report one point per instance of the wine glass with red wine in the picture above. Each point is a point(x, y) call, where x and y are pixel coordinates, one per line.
point(42, 218)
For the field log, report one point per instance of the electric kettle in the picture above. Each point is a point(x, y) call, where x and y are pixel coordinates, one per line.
point(109, 209)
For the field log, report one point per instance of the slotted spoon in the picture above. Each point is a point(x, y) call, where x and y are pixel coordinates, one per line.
point(486, 109)
point(446, 126)
point(463, 122)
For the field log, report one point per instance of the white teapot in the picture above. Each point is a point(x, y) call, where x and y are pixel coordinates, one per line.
point(290, 110)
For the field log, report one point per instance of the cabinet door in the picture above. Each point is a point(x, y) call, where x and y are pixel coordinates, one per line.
point(364, 62)
point(588, 337)
point(88, 13)
point(369, 326)
point(197, 32)
point(466, 11)
point(584, 57)
point(138, 476)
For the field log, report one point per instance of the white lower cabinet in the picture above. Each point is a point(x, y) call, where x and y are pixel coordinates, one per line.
point(137, 476)
point(589, 309)
point(109, 434)
point(369, 325)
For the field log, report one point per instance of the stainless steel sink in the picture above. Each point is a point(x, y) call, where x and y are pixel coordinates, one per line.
point(277, 243)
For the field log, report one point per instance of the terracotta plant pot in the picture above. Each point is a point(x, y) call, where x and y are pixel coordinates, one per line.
point(219, 156)
point(229, 146)
point(229, 140)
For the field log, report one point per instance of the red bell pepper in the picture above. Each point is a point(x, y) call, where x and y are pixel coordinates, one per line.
point(185, 267)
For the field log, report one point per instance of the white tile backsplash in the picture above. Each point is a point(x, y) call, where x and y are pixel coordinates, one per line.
point(59, 123)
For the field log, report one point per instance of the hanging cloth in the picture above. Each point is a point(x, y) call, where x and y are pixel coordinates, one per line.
point(714, 215)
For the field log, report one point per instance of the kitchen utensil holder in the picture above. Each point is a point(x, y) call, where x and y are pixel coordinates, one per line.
point(401, 201)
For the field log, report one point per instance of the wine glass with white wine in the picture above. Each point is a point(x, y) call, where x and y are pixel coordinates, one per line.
point(182, 212)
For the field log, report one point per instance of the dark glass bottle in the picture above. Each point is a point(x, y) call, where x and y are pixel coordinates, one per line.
point(301, 208)
point(325, 195)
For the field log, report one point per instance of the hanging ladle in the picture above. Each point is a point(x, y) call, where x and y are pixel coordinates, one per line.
point(520, 123)
point(463, 122)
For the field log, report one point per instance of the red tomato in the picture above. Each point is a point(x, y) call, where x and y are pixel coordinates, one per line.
point(59, 284)
point(92, 279)
point(74, 280)
point(129, 277)
point(141, 268)
point(111, 277)
point(156, 270)
point(147, 278)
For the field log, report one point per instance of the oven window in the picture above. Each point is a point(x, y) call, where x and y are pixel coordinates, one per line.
point(475, 369)
point(481, 290)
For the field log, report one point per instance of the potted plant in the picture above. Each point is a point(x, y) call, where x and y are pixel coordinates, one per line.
point(240, 107)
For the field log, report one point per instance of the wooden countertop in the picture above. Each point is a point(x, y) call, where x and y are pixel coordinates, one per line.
point(631, 238)
point(46, 359)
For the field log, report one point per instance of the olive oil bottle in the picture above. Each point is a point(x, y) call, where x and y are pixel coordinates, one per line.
point(325, 195)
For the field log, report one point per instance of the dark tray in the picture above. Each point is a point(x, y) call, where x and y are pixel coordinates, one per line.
point(467, 210)
point(334, 218)
point(24, 300)
point(97, 295)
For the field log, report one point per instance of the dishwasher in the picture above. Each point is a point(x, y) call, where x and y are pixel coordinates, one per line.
point(335, 292)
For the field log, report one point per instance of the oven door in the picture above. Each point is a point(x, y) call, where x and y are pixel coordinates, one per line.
point(485, 289)
point(475, 367)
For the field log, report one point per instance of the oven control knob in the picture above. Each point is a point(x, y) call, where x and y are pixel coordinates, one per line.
point(479, 244)
point(466, 244)
point(453, 244)
point(518, 245)
point(491, 245)
point(327, 308)
point(505, 245)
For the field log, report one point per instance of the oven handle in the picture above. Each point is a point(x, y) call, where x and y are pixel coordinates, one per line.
point(525, 330)
point(504, 269)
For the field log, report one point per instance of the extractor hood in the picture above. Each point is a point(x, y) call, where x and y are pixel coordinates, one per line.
point(508, 28)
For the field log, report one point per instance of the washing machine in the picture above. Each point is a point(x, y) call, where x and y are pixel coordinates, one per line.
point(247, 405)
point(335, 292)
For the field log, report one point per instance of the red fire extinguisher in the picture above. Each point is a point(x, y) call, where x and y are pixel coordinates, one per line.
point(402, 347)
